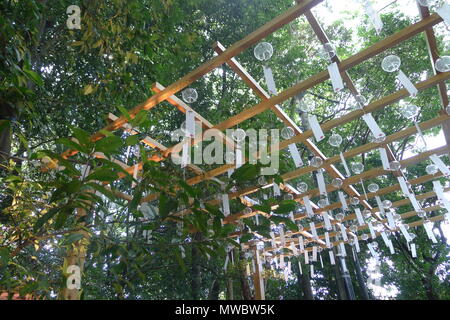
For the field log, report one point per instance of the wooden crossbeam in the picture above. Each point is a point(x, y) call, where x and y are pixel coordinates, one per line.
point(196, 74)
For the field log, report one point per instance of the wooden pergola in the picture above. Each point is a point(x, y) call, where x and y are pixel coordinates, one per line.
point(272, 104)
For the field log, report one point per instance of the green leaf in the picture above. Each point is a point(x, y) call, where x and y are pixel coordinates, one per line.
point(246, 237)
point(166, 205)
point(43, 219)
point(72, 145)
point(4, 125)
point(34, 76)
point(132, 140)
point(246, 172)
point(88, 89)
point(286, 206)
point(102, 174)
point(124, 112)
point(81, 135)
point(108, 144)
point(74, 237)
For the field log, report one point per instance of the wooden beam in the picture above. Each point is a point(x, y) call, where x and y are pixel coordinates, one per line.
point(196, 74)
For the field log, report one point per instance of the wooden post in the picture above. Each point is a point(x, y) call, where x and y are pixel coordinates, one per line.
point(258, 278)
point(76, 256)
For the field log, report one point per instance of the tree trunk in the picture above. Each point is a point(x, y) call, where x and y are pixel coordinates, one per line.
point(6, 113)
point(246, 292)
point(342, 294)
point(361, 282)
point(195, 270)
point(215, 290)
point(304, 283)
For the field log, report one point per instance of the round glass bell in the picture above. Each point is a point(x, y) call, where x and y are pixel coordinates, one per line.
point(340, 217)
point(302, 187)
point(262, 181)
point(374, 244)
point(263, 51)
point(357, 167)
point(322, 203)
point(287, 133)
point(447, 109)
point(316, 162)
point(361, 101)
point(412, 236)
point(189, 95)
point(354, 228)
point(248, 210)
point(395, 165)
point(300, 227)
point(422, 214)
point(367, 213)
point(442, 64)
point(431, 169)
point(410, 111)
point(364, 236)
point(288, 196)
point(373, 187)
point(387, 204)
point(238, 135)
point(354, 201)
point(326, 51)
point(335, 140)
point(391, 63)
point(337, 182)
point(380, 139)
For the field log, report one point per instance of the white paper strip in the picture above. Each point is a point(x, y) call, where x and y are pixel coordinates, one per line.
point(332, 261)
point(335, 77)
point(326, 220)
point(294, 249)
point(405, 233)
point(414, 202)
point(321, 182)
point(314, 254)
point(429, 229)
point(403, 185)
point(306, 257)
point(364, 189)
point(230, 172)
point(315, 127)
point(440, 164)
point(373, 16)
point(300, 267)
point(239, 157)
point(301, 244)
point(391, 247)
point(295, 155)
point(344, 163)
point(359, 217)
point(308, 206)
point(372, 231)
point(372, 251)
point(413, 250)
point(384, 159)
point(321, 261)
point(226, 263)
point(190, 123)
point(272, 236)
point(390, 218)
point(225, 204)
point(276, 190)
point(185, 155)
point(312, 271)
point(343, 232)
point(373, 125)
point(342, 247)
point(380, 204)
point(270, 82)
point(342, 200)
point(444, 12)
point(406, 82)
point(327, 239)
point(440, 194)
point(313, 230)
point(420, 133)
point(289, 267)
point(282, 261)
point(356, 242)
point(385, 238)
point(282, 237)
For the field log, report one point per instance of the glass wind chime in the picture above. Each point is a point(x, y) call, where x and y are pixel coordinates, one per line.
point(441, 7)
point(373, 15)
